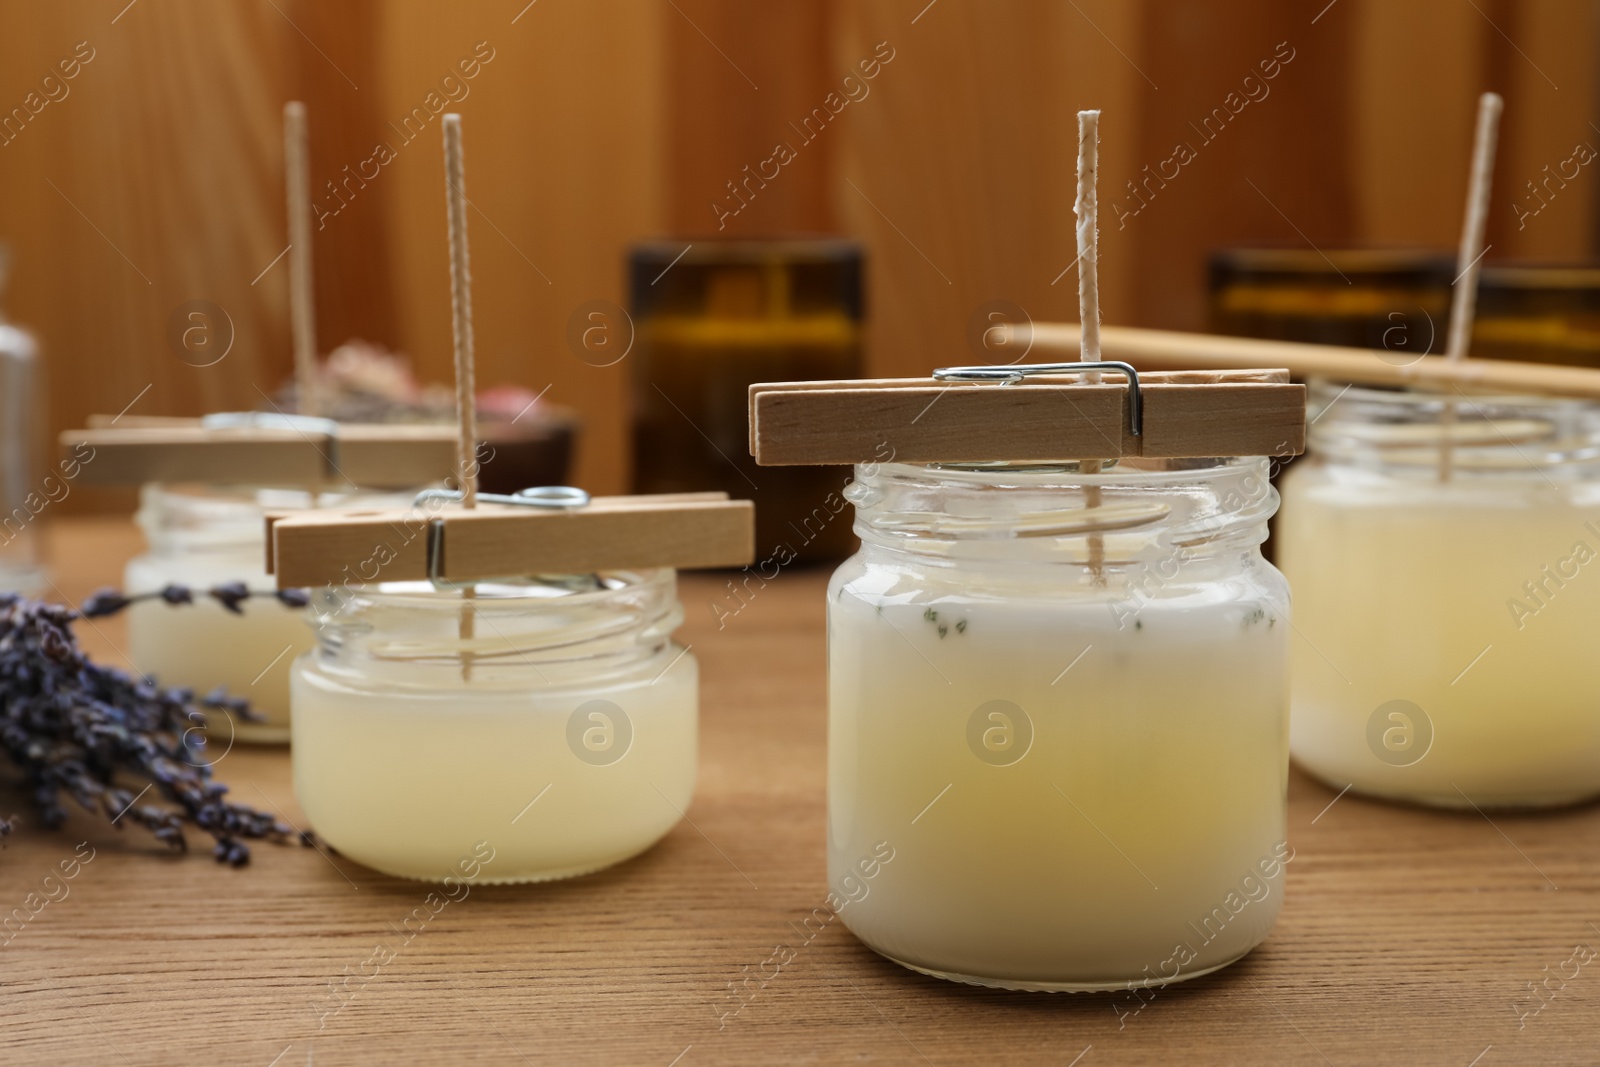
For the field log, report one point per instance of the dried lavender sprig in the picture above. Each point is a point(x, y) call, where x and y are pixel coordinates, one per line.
point(230, 595)
point(75, 728)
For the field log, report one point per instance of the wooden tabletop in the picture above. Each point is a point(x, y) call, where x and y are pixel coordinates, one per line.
point(1407, 936)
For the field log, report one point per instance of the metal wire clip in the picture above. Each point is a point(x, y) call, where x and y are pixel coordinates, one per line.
point(1014, 374)
point(544, 496)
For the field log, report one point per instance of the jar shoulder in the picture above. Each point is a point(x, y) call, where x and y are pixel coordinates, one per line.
point(1168, 582)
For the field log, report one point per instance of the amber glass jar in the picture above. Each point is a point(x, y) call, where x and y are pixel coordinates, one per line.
point(1540, 314)
point(1392, 299)
point(710, 319)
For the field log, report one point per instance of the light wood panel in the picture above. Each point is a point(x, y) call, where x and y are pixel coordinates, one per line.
point(1406, 936)
point(1552, 85)
point(153, 184)
point(958, 170)
point(1275, 172)
point(1415, 76)
point(334, 68)
point(737, 76)
point(562, 129)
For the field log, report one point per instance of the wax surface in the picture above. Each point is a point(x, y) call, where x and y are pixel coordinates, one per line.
point(406, 780)
point(1135, 839)
point(203, 645)
point(1415, 590)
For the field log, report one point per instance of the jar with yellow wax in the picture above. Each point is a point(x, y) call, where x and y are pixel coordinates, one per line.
point(554, 719)
point(201, 537)
point(1445, 609)
point(1058, 721)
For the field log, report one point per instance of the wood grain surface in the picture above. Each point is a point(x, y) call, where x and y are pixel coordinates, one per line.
point(1406, 935)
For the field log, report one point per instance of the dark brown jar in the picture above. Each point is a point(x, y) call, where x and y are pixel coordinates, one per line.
point(710, 319)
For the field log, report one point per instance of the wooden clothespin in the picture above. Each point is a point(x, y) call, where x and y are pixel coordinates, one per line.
point(261, 448)
point(1031, 413)
point(541, 531)
point(460, 536)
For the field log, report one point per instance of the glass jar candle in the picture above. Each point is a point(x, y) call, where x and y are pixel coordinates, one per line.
point(559, 725)
point(1542, 314)
point(23, 497)
point(1059, 702)
point(1447, 621)
point(1393, 300)
point(201, 537)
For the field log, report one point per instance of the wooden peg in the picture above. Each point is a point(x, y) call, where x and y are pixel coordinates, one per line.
point(495, 540)
point(1250, 412)
point(369, 456)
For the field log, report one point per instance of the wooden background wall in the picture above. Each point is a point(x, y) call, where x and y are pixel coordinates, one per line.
point(157, 180)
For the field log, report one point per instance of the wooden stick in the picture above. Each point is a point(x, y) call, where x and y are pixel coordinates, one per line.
point(1087, 209)
point(611, 533)
point(1464, 299)
point(1170, 350)
point(302, 305)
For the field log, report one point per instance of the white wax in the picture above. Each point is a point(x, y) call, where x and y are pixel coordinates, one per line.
point(1135, 839)
point(406, 780)
point(203, 645)
point(1437, 594)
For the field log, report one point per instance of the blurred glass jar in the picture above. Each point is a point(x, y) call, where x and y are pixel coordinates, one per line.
point(1447, 624)
point(714, 317)
point(21, 498)
point(201, 537)
point(1391, 299)
point(1539, 314)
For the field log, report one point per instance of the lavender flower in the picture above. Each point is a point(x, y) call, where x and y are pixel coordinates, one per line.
point(93, 735)
point(229, 594)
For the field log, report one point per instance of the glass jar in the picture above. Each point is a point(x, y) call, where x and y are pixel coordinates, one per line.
point(1058, 705)
point(1448, 620)
point(201, 537)
point(1393, 300)
point(554, 720)
point(22, 498)
point(1539, 314)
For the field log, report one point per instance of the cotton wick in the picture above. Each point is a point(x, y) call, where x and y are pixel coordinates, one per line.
point(1087, 209)
point(302, 304)
point(461, 312)
point(1464, 297)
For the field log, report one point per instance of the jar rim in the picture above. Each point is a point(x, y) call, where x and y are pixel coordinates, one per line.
point(1411, 396)
point(1411, 430)
point(511, 592)
point(1127, 471)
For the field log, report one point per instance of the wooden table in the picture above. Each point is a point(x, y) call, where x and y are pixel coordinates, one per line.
point(1406, 936)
